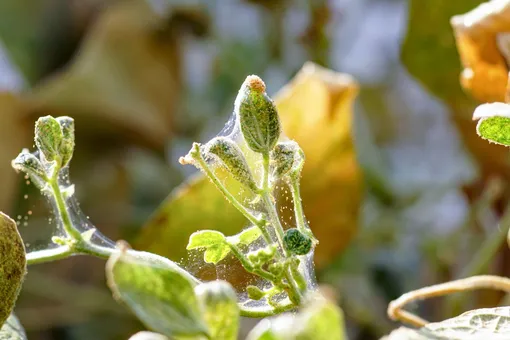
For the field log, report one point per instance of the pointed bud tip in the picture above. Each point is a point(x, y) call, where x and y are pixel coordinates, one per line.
point(255, 83)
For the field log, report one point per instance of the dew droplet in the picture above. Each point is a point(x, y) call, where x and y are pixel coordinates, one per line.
point(25, 197)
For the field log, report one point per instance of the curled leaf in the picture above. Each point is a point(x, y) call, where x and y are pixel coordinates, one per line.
point(12, 265)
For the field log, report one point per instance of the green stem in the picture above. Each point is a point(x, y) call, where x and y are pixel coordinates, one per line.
point(260, 223)
point(62, 210)
point(293, 291)
point(298, 208)
point(74, 244)
point(248, 266)
point(48, 255)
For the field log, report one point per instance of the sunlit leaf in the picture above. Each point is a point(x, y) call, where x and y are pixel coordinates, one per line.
point(220, 309)
point(484, 323)
point(161, 297)
point(247, 236)
point(12, 329)
point(205, 238)
point(316, 111)
point(494, 124)
point(320, 320)
point(12, 266)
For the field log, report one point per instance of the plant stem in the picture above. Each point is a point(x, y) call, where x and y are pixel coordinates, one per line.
point(260, 223)
point(48, 255)
point(249, 267)
point(62, 210)
point(74, 244)
point(298, 206)
point(293, 291)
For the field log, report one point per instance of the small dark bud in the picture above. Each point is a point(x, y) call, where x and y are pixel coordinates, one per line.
point(233, 159)
point(258, 116)
point(296, 242)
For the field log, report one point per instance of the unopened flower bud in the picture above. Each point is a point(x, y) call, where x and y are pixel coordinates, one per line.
point(283, 157)
point(296, 242)
point(48, 137)
point(254, 292)
point(66, 148)
point(258, 116)
point(29, 164)
point(231, 156)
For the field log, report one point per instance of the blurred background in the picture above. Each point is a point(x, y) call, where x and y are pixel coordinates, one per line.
point(397, 186)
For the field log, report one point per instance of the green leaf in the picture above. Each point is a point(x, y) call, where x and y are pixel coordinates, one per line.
point(48, 137)
point(484, 323)
point(320, 320)
point(12, 265)
point(12, 329)
point(494, 123)
point(161, 296)
point(247, 236)
point(216, 253)
point(205, 239)
point(220, 309)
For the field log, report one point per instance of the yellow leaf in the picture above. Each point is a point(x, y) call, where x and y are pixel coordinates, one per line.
point(485, 73)
point(316, 110)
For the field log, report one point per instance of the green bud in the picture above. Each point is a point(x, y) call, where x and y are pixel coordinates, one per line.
point(219, 308)
point(258, 116)
point(283, 156)
point(254, 293)
point(66, 148)
point(296, 242)
point(48, 137)
point(262, 255)
point(276, 269)
point(233, 159)
point(30, 165)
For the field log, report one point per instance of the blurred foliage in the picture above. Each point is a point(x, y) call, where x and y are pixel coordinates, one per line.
point(390, 184)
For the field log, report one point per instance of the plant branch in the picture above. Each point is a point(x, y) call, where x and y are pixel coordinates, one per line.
point(260, 223)
point(395, 311)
